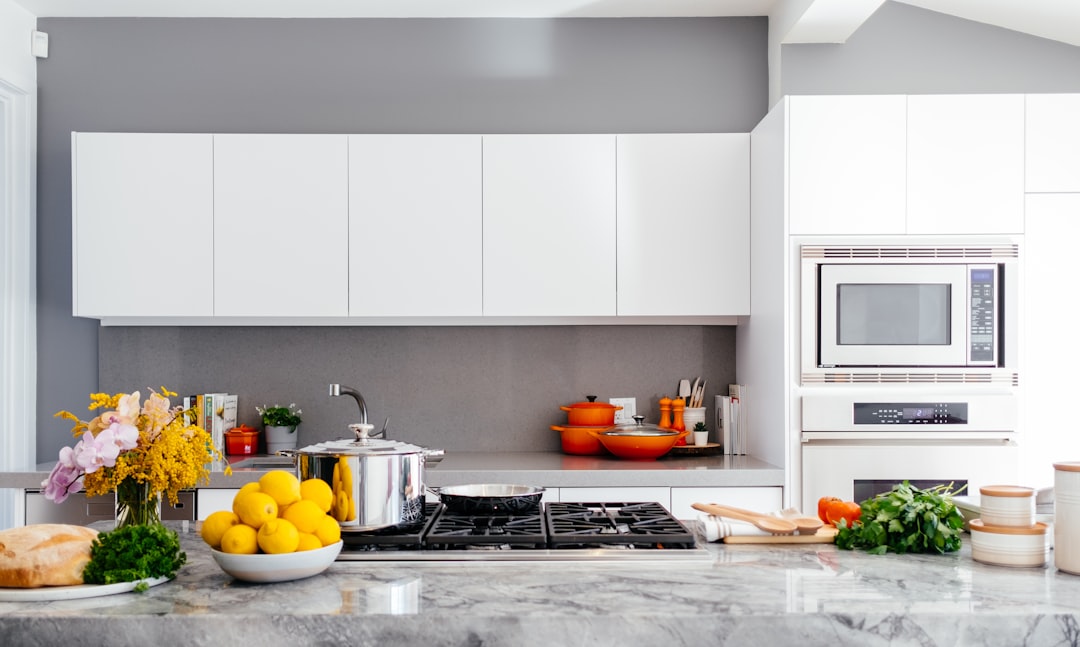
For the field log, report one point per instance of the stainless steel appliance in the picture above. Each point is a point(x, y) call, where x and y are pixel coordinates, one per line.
point(903, 308)
point(555, 531)
point(859, 442)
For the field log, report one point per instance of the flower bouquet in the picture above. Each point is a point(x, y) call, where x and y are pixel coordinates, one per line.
point(137, 450)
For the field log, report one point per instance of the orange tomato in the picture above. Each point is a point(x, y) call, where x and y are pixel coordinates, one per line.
point(847, 510)
point(823, 505)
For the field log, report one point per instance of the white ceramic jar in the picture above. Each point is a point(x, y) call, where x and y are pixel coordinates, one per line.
point(1067, 517)
point(1009, 545)
point(1007, 505)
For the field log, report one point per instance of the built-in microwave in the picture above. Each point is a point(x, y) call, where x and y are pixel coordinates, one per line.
point(909, 306)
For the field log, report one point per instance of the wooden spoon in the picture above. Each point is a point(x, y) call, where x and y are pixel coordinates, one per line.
point(805, 524)
point(774, 525)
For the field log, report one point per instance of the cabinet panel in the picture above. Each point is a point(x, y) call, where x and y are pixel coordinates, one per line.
point(142, 218)
point(1053, 143)
point(758, 499)
point(683, 214)
point(549, 225)
point(1052, 229)
point(965, 164)
point(415, 215)
point(209, 501)
point(661, 495)
point(281, 225)
point(847, 159)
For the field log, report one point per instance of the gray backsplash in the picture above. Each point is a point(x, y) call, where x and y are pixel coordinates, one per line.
point(455, 388)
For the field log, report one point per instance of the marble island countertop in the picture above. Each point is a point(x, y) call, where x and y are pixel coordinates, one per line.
point(550, 469)
point(811, 594)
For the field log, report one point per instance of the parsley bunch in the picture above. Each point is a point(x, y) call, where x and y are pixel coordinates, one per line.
point(133, 553)
point(906, 520)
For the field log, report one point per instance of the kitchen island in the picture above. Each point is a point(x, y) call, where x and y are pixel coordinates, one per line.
point(809, 594)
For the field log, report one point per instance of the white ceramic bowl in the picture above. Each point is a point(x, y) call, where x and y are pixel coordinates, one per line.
point(277, 568)
point(1009, 546)
point(1007, 505)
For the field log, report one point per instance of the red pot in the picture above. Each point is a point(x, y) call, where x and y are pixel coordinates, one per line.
point(579, 440)
point(241, 441)
point(590, 414)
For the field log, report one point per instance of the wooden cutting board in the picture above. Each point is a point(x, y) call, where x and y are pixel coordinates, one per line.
point(710, 449)
point(826, 535)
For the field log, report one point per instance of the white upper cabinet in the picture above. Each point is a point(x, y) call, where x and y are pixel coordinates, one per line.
point(549, 225)
point(142, 220)
point(415, 225)
point(965, 164)
point(1053, 143)
point(683, 224)
point(281, 225)
point(847, 164)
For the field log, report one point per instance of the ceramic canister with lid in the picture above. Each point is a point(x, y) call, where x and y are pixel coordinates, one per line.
point(1007, 505)
point(1067, 517)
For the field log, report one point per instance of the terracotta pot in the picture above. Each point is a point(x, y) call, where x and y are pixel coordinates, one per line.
point(638, 442)
point(578, 440)
point(590, 414)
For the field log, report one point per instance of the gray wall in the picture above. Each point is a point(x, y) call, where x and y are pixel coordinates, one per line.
point(455, 388)
point(903, 49)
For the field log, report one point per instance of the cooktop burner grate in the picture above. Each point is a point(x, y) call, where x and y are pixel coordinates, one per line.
point(395, 538)
point(640, 525)
point(462, 530)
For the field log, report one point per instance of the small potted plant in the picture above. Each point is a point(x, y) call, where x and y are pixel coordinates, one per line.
point(280, 424)
point(701, 434)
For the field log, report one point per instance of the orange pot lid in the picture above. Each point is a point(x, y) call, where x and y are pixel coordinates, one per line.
point(1007, 491)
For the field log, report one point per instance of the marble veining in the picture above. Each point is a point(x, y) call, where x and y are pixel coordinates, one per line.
point(761, 595)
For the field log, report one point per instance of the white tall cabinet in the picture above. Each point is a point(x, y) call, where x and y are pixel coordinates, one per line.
point(683, 223)
point(415, 225)
point(1053, 143)
point(281, 225)
point(549, 225)
point(142, 217)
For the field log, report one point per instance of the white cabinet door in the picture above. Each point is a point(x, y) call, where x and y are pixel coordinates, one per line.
point(683, 224)
point(209, 501)
point(142, 219)
point(759, 499)
point(549, 225)
point(846, 164)
point(1053, 143)
point(415, 225)
point(1049, 352)
point(661, 495)
point(965, 164)
point(281, 225)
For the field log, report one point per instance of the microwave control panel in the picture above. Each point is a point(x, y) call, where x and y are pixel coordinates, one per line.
point(982, 314)
point(910, 413)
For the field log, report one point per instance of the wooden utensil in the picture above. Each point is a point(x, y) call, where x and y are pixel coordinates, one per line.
point(684, 389)
point(826, 535)
point(770, 524)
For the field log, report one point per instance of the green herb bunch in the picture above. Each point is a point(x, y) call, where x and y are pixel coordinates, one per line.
point(133, 553)
point(278, 416)
point(906, 520)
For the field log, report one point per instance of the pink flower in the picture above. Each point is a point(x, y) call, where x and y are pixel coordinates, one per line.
point(126, 436)
point(64, 479)
point(127, 410)
point(97, 451)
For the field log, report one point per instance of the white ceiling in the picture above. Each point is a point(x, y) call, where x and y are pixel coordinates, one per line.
point(1054, 19)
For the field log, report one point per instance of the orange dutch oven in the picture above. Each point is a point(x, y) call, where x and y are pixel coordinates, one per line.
point(591, 413)
point(578, 440)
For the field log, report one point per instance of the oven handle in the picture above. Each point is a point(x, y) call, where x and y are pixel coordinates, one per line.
point(869, 437)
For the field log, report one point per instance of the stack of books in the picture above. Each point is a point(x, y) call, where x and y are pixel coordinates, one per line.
point(731, 422)
point(214, 412)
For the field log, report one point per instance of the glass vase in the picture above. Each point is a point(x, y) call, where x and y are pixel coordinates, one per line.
point(136, 504)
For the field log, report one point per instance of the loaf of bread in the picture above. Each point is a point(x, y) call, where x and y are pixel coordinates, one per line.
point(44, 554)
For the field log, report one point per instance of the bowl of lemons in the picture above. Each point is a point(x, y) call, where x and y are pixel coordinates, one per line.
point(278, 530)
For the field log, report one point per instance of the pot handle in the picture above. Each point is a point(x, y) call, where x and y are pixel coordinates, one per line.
point(434, 455)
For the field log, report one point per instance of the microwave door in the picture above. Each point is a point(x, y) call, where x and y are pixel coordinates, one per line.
point(892, 315)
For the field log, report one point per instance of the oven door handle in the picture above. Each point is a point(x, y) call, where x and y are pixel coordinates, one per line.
point(866, 437)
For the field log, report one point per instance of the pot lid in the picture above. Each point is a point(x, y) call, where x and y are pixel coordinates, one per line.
point(592, 404)
point(639, 428)
point(364, 447)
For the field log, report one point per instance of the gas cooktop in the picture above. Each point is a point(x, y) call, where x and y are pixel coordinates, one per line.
point(593, 532)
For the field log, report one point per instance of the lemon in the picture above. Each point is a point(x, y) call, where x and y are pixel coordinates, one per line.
point(278, 536)
point(244, 489)
point(214, 526)
point(319, 491)
point(309, 541)
point(305, 515)
point(328, 532)
point(341, 506)
point(240, 539)
point(255, 508)
point(282, 485)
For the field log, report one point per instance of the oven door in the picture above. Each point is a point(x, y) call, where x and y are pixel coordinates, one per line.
point(893, 315)
point(857, 470)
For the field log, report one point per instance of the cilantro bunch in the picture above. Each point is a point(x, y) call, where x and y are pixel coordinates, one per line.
point(133, 553)
point(906, 520)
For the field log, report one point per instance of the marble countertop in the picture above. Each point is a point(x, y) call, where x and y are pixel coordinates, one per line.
point(549, 469)
point(810, 594)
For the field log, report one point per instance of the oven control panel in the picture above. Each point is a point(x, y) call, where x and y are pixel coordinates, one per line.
point(910, 413)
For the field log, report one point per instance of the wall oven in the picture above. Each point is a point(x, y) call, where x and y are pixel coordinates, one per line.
point(859, 443)
point(903, 308)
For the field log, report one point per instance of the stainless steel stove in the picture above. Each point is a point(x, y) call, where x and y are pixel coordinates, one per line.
point(593, 532)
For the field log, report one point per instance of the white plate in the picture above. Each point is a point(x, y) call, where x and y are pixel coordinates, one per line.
point(51, 593)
